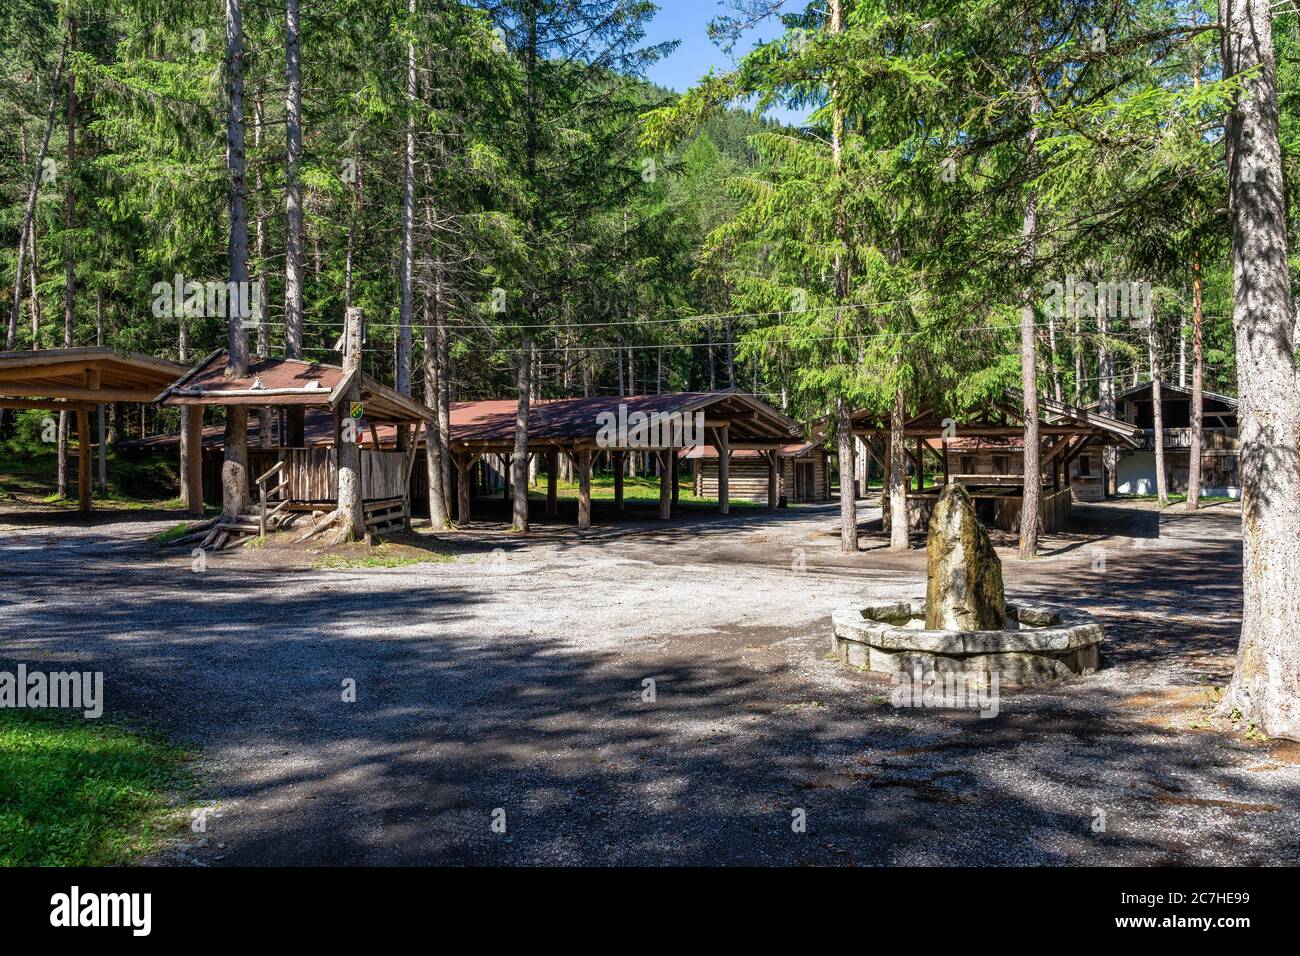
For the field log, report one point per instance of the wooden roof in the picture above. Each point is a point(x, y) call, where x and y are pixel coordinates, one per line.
point(1004, 418)
point(80, 378)
point(490, 425)
point(283, 382)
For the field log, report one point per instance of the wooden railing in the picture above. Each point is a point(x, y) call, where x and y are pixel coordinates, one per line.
point(266, 496)
point(1218, 438)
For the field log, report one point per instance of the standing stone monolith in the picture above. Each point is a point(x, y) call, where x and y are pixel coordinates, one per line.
point(963, 589)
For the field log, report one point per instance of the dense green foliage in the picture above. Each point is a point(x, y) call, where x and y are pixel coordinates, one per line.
point(645, 241)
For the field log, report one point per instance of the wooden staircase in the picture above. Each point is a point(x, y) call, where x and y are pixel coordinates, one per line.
point(271, 513)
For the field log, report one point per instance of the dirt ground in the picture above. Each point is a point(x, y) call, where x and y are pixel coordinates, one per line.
point(507, 684)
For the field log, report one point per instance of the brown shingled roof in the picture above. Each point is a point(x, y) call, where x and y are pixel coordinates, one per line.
point(279, 382)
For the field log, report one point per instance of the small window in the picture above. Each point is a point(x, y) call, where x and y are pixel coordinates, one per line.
point(1085, 466)
point(966, 465)
point(999, 464)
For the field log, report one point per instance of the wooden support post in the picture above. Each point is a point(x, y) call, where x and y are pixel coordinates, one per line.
point(724, 468)
point(945, 463)
point(83, 461)
point(552, 479)
point(584, 489)
point(773, 463)
point(675, 469)
point(464, 473)
point(665, 486)
point(193, 463)
point(620, 464)
point(505, 477)
point(920, 464)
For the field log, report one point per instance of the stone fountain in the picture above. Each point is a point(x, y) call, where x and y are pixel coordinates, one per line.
point(964, 625)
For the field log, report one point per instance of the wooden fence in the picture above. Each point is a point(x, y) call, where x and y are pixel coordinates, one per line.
point(313, 473)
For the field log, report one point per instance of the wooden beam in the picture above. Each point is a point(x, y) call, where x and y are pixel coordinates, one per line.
point(665, 485)
point(620, 464)
point(193, 464)
point(674, 466)
point(552, 482)
point(83, 394)
point(48, 404)
point(773, 498)
point(464, 469)
point(83, 461)
point(19, 373)
point(722, 442)
point(584, 489)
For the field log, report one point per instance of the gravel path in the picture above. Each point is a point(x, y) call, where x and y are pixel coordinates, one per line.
point(514, 679)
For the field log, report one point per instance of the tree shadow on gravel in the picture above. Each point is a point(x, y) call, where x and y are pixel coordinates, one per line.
point(453, 721)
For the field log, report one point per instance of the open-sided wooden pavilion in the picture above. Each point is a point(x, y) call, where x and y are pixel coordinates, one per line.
point(578, 428)
point(291, 480)
point(78, 380)
point(1065, 432)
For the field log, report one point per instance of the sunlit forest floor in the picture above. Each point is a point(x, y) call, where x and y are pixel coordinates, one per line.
point(506, 673)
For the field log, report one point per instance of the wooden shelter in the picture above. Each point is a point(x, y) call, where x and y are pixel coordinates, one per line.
point(78, 380)
point(581, 427)
point(292, 480)
point(803, 473)
point(1065, 432)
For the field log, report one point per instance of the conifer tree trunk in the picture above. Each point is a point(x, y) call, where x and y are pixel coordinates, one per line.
point(29, 212)
point(1033, 482)
point(293, 239)
point(1264, 684)
point(351, 511)
point(234, 470)
point(1198, 398)
point(1157, 412)
point(899, 540)
point(404, 343)
point(69, 251)
point(843, 413)
point(848, 498)
point(99, 408)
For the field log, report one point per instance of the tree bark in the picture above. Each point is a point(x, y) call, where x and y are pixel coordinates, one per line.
point(69, 261)
point(1267, 674)
point(1106, 393)
point(293, 238)
point(1157, 412)
point(435, 448)
point(38, 167)
point(519, 466)
point(234, 469)
point(99, 409)
point(351, 511)
point(1198, 384)
point(403, 373)
point(899, 540)
point(848, 500)
point(1033, 480)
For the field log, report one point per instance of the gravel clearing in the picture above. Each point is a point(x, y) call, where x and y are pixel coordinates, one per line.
point(513, 679)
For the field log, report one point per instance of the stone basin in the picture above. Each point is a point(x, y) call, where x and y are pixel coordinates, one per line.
point(1041, 644)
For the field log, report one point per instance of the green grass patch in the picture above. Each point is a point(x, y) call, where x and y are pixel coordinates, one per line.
point(171, 534)
point(78, 792)
point(1179, 499)
point(381, 556)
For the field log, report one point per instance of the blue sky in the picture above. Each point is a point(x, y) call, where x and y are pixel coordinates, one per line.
point(686, 20)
